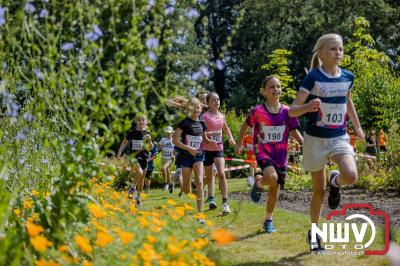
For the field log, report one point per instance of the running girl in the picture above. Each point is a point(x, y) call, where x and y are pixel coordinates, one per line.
point(248, 147)
point(137, 138)
point(167, 158)
point(150, 168)
point(272, 126)
point(325, 96)
point(189, 136)
point(214, 151)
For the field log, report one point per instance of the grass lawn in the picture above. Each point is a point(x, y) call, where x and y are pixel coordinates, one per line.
point(285, 247)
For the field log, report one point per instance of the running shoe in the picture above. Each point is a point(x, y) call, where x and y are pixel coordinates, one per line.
point(171, 187)
point(164, 187)
point(180, 194)
point(225, 208)
point(255, 193)
point(201, 221)
point(131, 191)
point(212, 203)
point(334, 192)
point(250, 181)
point(315, 246)
point(269, 226)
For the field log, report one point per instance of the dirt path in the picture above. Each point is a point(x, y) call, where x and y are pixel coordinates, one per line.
point(299, 201)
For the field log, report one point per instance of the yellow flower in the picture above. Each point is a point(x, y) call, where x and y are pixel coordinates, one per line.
point(122, 257)
point(96, 210)
point(192, 196)
point(223, 236)
point(35, 193)
point(188, 207)
point(151, 239)
point(43, 262)
point(173, 249)
point(200, 215)
point(209, 223)
point(17, 212)
point(180, 211)
point(143, 221)
point(34, 217)
point(125, 237)
point(132, 208)
point(199, 243)
point(201, 230)
point(163, 263)
point(40, 243)
point(83, 243)
point(63, 248)
point(27, 204)
point(156, 229)
point(171, 202)
point(86, 263)
point(33, 229)
point(103, 239)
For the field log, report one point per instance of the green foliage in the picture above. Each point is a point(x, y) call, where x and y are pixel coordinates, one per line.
point(278, 66)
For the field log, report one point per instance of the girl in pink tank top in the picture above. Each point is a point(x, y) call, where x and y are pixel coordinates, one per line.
point(214, 151)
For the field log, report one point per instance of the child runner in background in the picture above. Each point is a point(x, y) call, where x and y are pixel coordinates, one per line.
point(248, 147)
point(150, 167)
point(325, 96)
point(167, 158)
point(189, 136)
point(214, 151)
point(137, 138)
point(272, 126)
point(382, 141)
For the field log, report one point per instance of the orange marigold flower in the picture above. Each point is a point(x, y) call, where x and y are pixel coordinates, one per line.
point(199, 243)
point(103, 239)
point(173, 249)
point(83, 243)
point(33, 229)
point(223, 236)
point(156, 229)
point(151, 239)
point(180, 211)
point(96, 210)
point(43, 262)
point(27, 204)
point(126, 237)
point(188, 207)
point(200, 215)
point(40, 243)
point(86, 263)
point(63, 248)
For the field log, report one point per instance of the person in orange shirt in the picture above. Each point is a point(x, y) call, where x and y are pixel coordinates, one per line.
point(248, 147)
point(382, 141)
point(353, 138)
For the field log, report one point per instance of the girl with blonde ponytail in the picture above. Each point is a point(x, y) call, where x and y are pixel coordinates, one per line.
point(325, 98)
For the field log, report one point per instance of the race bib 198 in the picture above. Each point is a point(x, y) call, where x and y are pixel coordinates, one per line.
point(272, 133)
point(194, 141)
point(332, 114)
point(137, 145)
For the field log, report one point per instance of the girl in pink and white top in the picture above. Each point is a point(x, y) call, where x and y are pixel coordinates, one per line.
point(214, 151)
point(272, 126)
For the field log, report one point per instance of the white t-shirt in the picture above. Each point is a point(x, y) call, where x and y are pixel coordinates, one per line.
point(167, 148)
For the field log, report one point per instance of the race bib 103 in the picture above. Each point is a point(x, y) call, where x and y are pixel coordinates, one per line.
point(332, 114)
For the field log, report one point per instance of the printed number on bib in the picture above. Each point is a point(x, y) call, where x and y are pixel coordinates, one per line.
point(137, 145)
point(272, 133)
point(194, 141)
point(332, 114)
point(216, 136)
point(167, 152)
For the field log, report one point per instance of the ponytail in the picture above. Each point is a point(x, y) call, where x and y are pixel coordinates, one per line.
point(315, 62)
point(183, 104)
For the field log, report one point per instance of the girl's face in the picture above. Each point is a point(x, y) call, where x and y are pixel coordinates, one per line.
point(203, 98)
point(332, 52)
point(214, 102)
point(196, 111)
point(141, 122)
point(272, 89)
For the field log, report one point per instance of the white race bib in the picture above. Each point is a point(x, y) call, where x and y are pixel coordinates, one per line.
point(215, 136)
point(272, 133)
point(137, 144)
point(333, 114)
point(167, 152)
point(194, 141)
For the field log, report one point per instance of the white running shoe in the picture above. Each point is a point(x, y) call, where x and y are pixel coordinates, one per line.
point(250, 181)
point(225, 208)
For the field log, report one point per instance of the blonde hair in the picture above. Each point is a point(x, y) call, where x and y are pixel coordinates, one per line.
point(322, 41)
point(184, 104)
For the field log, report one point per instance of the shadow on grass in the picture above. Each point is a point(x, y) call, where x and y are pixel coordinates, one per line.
point(293, 260)
point(259, 232)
